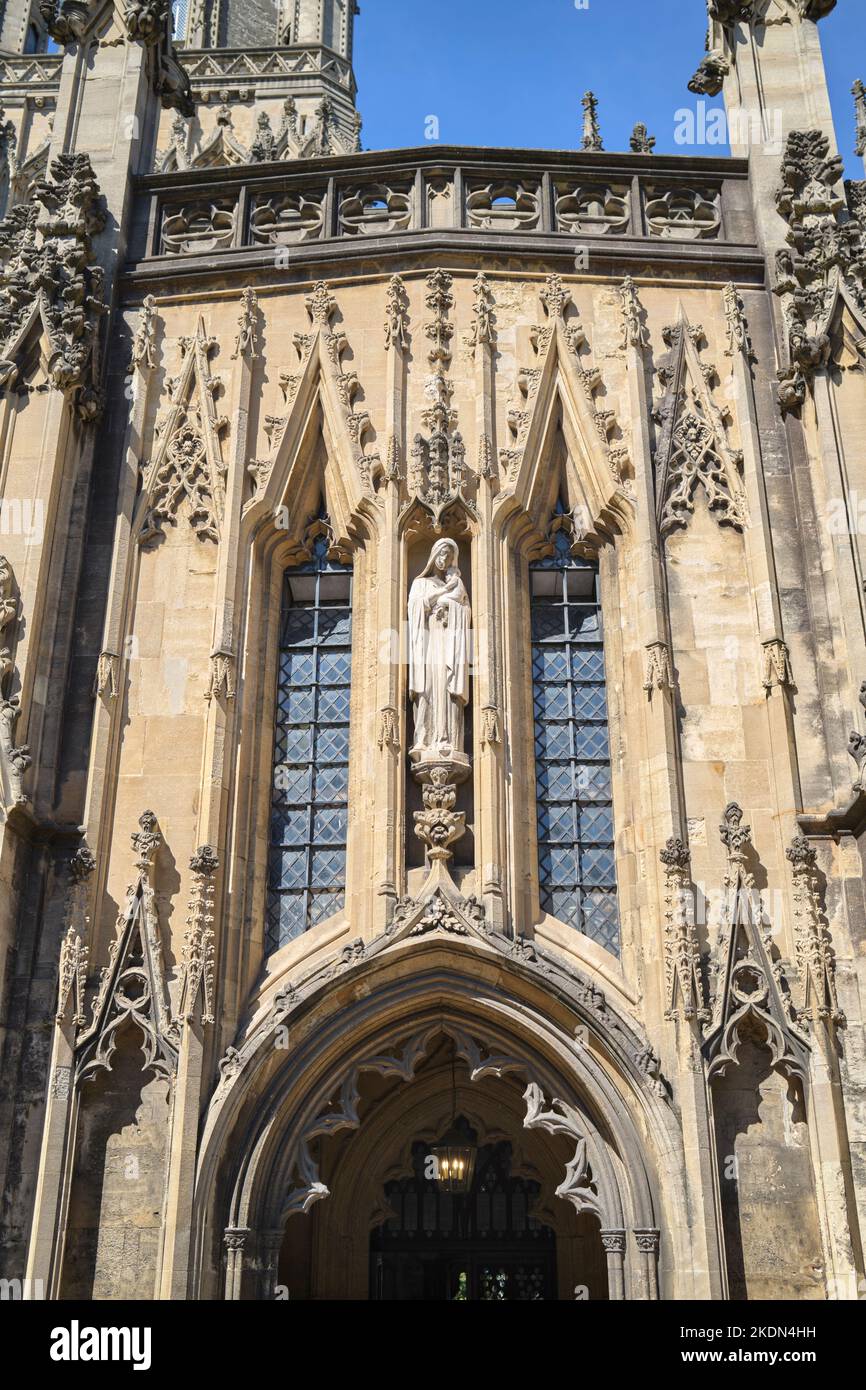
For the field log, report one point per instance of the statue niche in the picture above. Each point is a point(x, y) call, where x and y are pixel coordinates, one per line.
point(440, 619)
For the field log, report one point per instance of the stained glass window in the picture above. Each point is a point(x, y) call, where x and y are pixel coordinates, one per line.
point(576, 864)
point(307, 856)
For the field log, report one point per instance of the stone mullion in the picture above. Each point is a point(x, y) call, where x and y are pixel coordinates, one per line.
point(662, 810)
point(665, 815)
point(491, 602)
point(387, 750)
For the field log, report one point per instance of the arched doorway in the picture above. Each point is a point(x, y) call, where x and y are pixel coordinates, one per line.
point(387, 1232)
point(300, 1145)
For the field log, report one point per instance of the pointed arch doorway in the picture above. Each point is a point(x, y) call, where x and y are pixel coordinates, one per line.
point(510, 1238)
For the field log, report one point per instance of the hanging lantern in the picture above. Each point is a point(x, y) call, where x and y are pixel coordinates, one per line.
point(455, 1159)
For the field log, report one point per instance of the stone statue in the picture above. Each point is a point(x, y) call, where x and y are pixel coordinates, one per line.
point(439, 623)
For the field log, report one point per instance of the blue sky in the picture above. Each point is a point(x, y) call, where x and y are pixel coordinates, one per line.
point(511, 73)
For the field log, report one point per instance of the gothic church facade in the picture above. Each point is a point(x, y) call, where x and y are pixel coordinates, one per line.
point(433, 671)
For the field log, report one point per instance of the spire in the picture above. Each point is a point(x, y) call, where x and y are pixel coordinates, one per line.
point(591, 130)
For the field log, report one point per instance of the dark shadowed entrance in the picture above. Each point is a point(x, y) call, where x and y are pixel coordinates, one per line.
point(482, 1246)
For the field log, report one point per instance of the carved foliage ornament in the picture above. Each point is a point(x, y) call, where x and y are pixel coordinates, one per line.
point(822, 273)
point(50, 284)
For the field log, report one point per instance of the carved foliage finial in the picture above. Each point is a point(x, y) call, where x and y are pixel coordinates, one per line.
point(197, 957)
point(858, 91)
point(591, 130)
point(50, 281)
point(826, 255)
point(816, 960)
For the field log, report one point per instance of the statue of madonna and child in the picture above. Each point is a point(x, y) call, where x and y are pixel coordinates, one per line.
point(439, 659)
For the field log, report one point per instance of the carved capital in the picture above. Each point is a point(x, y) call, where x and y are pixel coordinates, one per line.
point(777, 664)
point(659, 675)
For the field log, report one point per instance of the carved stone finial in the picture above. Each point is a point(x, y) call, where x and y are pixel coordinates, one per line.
point(482, 330)
point(735, 836)
point(246, 342)
point(641, 141)
point(816, 961)
point(264, 148)
point(591, 130)
point(555, 297)
point(197, 957)
point(735, 323)
point(633, 330)
point(684, 986)
point(859, 93)
point(144, 342)
point(146, 841)
point(396, 315)
point(321, 304)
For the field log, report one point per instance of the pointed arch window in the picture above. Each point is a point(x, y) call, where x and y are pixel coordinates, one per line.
point(576, 866)
point(307, 851)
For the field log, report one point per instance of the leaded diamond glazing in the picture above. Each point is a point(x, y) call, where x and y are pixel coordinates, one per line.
point(575, 813)
point(307, 857)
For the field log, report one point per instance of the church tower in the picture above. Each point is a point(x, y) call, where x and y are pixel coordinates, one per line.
point(432, 680)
